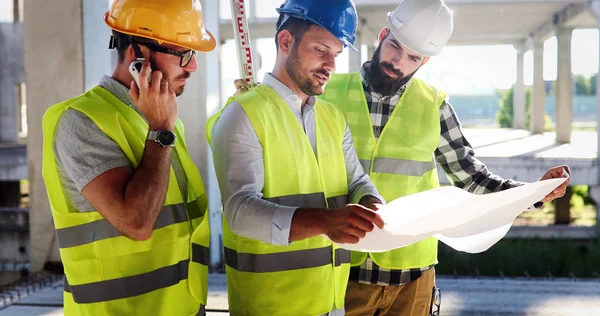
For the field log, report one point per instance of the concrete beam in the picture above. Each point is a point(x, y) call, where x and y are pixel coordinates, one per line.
point(538, 94)
point(564, 87)
point(559, 19)
point(552, 232)
point(529, 169)
point(450, 3)
point(519, 102)
point(265, 28)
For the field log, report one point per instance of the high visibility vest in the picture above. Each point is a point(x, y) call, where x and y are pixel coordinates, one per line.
point(108, 273)
point(309, 276)
point(401, 161)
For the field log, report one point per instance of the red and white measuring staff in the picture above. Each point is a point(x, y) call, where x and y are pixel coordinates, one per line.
point(242, 40)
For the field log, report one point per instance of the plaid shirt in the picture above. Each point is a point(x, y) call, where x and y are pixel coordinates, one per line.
point(454, 154)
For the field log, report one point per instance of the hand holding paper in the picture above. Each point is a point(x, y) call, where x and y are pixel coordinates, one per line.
point(465, 221)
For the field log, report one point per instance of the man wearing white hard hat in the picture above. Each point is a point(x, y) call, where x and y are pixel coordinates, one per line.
point(401, 126)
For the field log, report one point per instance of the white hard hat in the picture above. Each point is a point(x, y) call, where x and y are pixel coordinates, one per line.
point(424, 26)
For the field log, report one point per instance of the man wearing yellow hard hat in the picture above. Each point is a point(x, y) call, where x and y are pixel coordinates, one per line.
point(401, 126)
point(128, 204)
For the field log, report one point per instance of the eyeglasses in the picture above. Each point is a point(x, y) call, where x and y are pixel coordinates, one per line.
point(185, 57)
point(436, 300)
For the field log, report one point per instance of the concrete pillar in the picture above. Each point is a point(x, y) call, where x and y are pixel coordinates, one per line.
point(11, 193)
point(562, 208)
point(595, 190)
point(11, 74)
point(519, 102)
point(354, 58)
point(538, 95)
point(201, 99)
point(564, 86)
point(18, 10)
point(60, 75)
point(370, 50)
point(97, 57)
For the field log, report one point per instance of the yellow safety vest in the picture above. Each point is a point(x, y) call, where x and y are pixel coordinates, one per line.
point(108, 273)
point(401, 161)
point(308, 277)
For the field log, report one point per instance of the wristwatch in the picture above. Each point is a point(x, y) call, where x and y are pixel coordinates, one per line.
point(163, 138)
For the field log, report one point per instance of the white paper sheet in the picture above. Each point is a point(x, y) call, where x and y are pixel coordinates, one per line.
point(462, 220)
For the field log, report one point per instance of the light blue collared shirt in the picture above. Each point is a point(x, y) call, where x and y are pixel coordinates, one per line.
point(238, 159)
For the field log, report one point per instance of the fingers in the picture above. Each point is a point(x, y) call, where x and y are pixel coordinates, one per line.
point(134, 92)
point(557, 193)
point(240, 84)
point(145, 73)
point(164, 86)
point(361, 223)
point(367, 214)
point(557, 172)
point(156, 80)
point(562, 188)
point(344, 239)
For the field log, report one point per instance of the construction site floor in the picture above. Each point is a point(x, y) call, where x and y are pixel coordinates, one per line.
point(460, 296)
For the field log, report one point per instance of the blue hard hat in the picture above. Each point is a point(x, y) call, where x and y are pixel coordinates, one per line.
point(339, 17)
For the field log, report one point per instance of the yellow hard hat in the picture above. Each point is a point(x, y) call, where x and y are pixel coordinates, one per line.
point(177, 22)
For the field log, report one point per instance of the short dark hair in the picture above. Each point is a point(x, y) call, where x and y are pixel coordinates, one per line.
point(296, 26)
point(122, 42)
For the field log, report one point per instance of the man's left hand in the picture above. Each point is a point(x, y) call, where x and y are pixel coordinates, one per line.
point(370, 202)
point(557, 172)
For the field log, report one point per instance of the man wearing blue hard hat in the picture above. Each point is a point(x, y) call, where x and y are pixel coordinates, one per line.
point(287, 171)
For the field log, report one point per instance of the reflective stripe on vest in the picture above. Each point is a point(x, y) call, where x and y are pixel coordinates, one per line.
point(200, 254)
point(285, 261)
point(102, 229)
point(128, 286)
point(398, 166)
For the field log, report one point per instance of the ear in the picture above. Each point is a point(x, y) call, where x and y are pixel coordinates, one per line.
point(131, 52)
point(383, 33)
point(285, 41)
point(425, 60)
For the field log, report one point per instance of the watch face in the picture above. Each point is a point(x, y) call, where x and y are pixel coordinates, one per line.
point(166, 138)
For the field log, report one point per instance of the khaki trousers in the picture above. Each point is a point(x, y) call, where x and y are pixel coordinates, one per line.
point(411, 299)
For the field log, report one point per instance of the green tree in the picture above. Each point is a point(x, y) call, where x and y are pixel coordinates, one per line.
point(505, 113)
point(593, 84)
point(582, 85)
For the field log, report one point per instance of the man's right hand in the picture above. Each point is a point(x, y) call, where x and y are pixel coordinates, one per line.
point(350, 223)
point(241, 86)
point(155, 99)
point(343, 225)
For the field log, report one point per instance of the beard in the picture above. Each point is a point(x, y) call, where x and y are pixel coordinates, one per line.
point(380, 81)
point(186, 74)
point(301, 79)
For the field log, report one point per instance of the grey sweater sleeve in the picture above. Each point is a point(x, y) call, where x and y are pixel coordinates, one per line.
point(83, 152)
